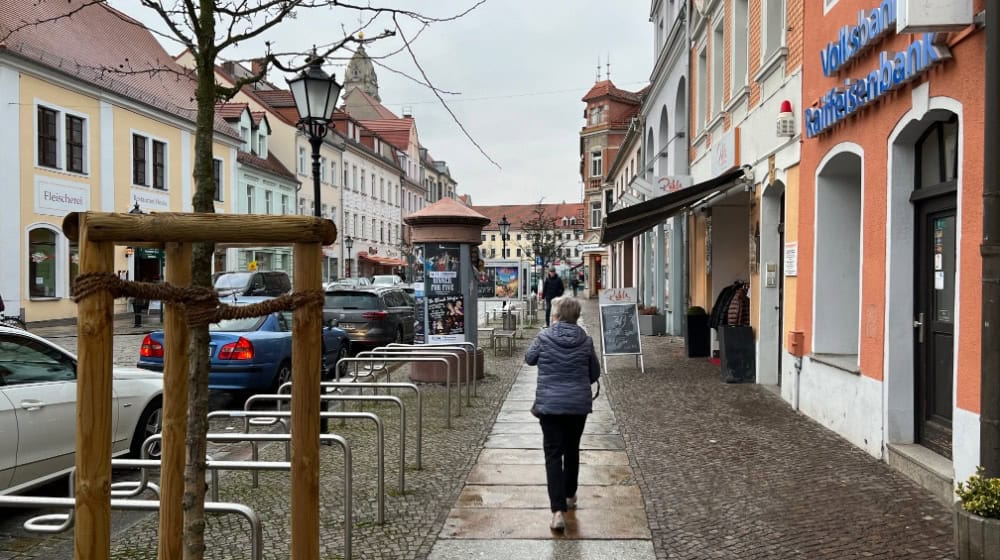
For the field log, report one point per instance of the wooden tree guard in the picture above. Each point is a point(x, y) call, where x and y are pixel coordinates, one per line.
point(97, 234)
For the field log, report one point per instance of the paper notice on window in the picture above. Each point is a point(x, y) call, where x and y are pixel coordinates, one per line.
point(938, 261)
point(939, 280)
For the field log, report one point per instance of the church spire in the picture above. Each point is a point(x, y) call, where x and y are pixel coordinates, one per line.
point(361, 74)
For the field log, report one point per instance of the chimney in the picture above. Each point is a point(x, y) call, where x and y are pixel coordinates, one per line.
point(407, 112)
point(229, 67)
point(257, 66)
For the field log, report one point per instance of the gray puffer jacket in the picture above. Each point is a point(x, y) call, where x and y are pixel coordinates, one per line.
point(567, 365)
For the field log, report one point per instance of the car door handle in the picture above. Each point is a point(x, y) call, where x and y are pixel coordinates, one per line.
point(32, 405)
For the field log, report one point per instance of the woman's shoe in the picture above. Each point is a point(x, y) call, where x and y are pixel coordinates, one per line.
point(558, 522)
point(571, 503)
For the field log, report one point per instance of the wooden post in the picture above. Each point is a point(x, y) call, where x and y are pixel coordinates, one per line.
point(93, 407)
point(306, 357)
point(175, 404)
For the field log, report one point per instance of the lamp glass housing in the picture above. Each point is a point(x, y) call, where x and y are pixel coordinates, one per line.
point(315, 92)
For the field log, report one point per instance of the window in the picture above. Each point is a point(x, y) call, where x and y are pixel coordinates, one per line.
point(381, 231)
point(284, 204)
point(322, 169)
point(74, 263)
point(701, 107)
point(493, 252)
point(937, 154)
point(364, 227)
point(326, 208)
point(30, 361)
point(373, 229)
point(302, 160)
point(596, 114)
point(718, 65)
point(62, 140)
point(363, 181)
point(333, 173)
point(493, 237)
point(354, 178)
point(217, 175)
point(48, 137)
point(596, 167)
point(139, 160)
point(249, 199)
point(381, 187)
point(773, 26)
point(519, 252)
point(354, 229)
point(347, 222)
point(741, 46)
point(595, 214)
point(333, 214)
point(74, 144)
point(159, 165)
point(42, 263)
point(268, 209)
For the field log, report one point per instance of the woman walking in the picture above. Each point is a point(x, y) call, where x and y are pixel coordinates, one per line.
point(567, 366)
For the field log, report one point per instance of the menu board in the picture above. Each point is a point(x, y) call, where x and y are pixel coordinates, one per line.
point(620, 329)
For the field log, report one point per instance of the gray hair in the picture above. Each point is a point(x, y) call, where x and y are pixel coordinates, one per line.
point(566, 309)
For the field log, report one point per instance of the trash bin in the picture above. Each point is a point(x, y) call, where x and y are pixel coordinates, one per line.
point(509, 321)
point(737, 354)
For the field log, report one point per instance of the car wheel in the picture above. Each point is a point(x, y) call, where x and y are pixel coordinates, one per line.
point(283, 376)
point(150, 423)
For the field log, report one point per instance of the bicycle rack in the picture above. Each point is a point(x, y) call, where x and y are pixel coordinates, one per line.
point(279, 415)
point(405, 360)
point(470, 353)
point(375, 384)
point(420, 352)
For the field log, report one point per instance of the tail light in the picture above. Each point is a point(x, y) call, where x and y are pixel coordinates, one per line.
point(375, 315)
point(150, 348)
point(242, 349)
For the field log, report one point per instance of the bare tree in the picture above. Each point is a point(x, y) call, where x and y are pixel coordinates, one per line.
point(207, 28)
point(543, 238)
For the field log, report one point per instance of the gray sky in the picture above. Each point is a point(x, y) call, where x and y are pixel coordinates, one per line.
point(521, 67)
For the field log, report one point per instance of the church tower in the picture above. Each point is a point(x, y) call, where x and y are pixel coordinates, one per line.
point(361, 74)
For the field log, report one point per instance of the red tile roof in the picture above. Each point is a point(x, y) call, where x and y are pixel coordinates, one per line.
point(271, 164)
point(257, 117)
point(518, 214)
point(276, 97)
point(104, 47)
point(376, 105)
point(231, 111)
point(393, 131)
point(607, 89)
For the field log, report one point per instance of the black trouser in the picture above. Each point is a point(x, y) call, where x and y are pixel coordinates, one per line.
point(561, 441)
point(548, 311)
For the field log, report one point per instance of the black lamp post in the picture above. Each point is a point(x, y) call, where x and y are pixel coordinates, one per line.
point(504, 230)
point(348, 244)
point(315, 96)
point(138, 305)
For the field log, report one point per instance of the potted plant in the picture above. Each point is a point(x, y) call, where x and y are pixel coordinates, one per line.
point(651, 321)
point(697, 336)
point(977, 517)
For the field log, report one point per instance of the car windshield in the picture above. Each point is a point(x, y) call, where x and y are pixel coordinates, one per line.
point(351, 300)
point(233, 280)
point(237, 325)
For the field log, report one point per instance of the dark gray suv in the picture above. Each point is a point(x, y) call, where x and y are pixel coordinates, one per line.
point(371, 316)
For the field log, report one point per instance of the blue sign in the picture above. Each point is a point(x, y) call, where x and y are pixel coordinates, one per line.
point(538, 261)
point(854, 39)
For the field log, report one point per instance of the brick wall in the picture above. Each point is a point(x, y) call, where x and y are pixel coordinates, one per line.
point(756, 35)
point(794, 24)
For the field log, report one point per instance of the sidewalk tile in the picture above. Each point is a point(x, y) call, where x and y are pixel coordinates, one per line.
point(542, 549)
point(536, 457)
point(526, 441)
point(618, 523)
point(535, 474)
point(513, 496)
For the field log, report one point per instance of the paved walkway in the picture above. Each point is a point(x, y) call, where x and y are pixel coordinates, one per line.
point(503, 510)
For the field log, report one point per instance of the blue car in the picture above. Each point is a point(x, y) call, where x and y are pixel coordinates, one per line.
point(250, 355)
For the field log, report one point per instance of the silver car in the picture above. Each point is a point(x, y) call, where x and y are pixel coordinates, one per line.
point(38, 410)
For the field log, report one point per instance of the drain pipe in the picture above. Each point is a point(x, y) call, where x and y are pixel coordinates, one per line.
point(989, 419)
point(798, 382)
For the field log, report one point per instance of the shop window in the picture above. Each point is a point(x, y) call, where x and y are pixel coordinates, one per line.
point(838, 242)
point(937, 154)
point(42, 263)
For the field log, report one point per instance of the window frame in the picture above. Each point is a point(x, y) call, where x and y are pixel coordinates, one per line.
point(217, 175)
point(57, 251)
point(61, 138)
point(148, 165)
point(597, 163)
point(766, 31)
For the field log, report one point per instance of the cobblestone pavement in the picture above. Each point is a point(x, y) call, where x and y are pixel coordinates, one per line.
point(732, 472)
point(413, 518)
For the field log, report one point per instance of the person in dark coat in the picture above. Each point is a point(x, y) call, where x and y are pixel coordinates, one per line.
point(551, 289)
point(567, 366)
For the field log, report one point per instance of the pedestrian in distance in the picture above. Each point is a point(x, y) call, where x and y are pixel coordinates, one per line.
point(551, 289)
point(567, 367)
point(575, 282)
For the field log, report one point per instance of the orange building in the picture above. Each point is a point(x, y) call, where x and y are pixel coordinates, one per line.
point(882, 322)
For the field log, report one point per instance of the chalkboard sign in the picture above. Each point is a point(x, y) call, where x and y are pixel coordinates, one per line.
point(620, 329)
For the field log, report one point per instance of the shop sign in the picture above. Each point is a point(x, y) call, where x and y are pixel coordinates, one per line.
point(673, 184)
point(590, 247)
point(792, 258)
point(58, 198)
point(151, 201)
point(726, 152)
point(617, 295)
point(855, 39)
point(893, 70)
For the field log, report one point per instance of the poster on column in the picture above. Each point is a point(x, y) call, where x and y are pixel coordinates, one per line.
point(487, 283)
point(441, 268)
point(446, 319)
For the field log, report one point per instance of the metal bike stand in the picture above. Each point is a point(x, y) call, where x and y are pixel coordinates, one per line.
point(406, 360)
point(470, 351)
point(422, 352)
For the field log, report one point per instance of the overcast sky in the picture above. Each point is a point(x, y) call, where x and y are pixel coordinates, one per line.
point(521, 67)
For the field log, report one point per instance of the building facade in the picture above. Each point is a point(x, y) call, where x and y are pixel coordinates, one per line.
point(77, 139)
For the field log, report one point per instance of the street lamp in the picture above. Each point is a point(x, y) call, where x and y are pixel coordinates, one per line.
point(138, 305)
point(315, 95)
point(504, 229)
point(348, 244)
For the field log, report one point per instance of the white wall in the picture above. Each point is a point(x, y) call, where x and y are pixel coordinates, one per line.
point(847, 403)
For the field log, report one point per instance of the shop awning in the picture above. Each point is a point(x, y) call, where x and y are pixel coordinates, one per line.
point(383, 261)
point(638, 218)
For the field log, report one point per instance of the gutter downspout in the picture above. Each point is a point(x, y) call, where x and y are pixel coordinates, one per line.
point(989, 419)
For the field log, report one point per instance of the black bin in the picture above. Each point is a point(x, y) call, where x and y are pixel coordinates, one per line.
point(737, 352)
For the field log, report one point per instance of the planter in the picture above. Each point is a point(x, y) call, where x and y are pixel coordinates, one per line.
point(976, 538)
point(652, 325)
point(697, 338)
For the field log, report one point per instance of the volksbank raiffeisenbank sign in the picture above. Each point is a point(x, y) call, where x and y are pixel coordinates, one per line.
point(894, 69)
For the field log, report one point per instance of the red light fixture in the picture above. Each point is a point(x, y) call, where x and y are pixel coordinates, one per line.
point(242, 349)
point(786, 106)
point(150, 348)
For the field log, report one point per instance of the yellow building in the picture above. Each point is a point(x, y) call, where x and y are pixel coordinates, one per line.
point(96, 117)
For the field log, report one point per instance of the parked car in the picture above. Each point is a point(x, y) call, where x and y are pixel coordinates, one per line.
point(386, 280)
point(348, 283)
point(38, 410)
point(371, 316)
point(250, 355)
point(258, 283)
